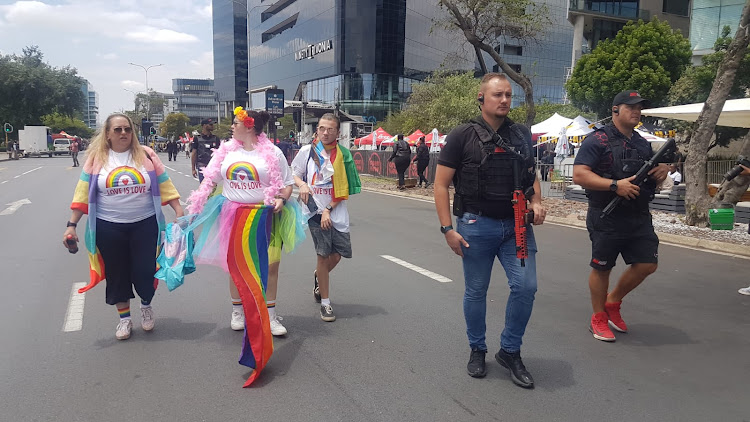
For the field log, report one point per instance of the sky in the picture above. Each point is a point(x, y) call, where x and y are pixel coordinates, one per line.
point(100, 37)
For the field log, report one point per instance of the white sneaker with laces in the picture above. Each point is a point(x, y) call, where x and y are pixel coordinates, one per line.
point(147, 319)
point(744, 291)
point(238, 321)
point(123, 329)
point(276, 328)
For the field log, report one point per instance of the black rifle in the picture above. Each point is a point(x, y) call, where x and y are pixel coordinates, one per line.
point(642, 173)
point(741, 161)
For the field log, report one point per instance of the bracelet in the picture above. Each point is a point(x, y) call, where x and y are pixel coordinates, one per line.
point(281, 197)
point(71, 224)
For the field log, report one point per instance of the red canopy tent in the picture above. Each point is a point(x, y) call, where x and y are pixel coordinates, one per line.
point(380, 136)
point(414, 137)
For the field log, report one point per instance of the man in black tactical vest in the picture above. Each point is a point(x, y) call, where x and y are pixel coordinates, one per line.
point(480, 158)
point(203, 146)
point(605, 165)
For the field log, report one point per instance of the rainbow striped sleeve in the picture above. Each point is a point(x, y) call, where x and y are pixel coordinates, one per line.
point(81, 194)
point(166, 189)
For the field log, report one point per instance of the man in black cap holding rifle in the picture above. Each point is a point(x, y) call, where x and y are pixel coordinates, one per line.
point(605, 166)
point(203, 146)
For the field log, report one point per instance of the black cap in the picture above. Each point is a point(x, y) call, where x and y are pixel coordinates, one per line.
point(630, 98)
point(207, 122)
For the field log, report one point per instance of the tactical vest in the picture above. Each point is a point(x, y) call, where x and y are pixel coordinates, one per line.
point(625, 163)
point(492, 178)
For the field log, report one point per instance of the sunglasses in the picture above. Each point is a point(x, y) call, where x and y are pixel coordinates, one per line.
point(121, 129)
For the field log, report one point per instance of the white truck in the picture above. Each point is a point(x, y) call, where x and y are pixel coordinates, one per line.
point(33, 141)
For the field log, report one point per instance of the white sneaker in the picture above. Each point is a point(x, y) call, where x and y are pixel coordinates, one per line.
point(123, 329)
point(238, 321)
point(276, 328)
point(744, 291)
point(147, 319)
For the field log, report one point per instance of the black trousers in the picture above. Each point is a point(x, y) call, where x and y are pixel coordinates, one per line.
point(129, 254)
point(402, 164)
point(421, 167)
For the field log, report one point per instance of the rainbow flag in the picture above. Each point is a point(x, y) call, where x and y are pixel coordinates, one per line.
point(247, 259)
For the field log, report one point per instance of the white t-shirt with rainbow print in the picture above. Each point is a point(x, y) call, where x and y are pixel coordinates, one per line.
point(124, 191)
point(245, 175)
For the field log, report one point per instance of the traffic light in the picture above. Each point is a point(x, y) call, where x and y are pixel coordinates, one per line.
point(8, 128)
point(153, 130)
point(291, 135)
point(147, 128)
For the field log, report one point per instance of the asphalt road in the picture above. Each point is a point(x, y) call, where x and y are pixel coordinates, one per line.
point(397, 351)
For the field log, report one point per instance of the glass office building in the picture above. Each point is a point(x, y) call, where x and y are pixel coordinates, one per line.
point(196, 98)
point(230, 53)
point(362, 54)
point(709, 17)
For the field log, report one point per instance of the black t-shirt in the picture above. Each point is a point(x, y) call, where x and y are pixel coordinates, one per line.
point(455, 153)
point(596, 153)
point(203, 145)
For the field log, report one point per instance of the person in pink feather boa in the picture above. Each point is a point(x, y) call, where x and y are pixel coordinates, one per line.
point(246, 169)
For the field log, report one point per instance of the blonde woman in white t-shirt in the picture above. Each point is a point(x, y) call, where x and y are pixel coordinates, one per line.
point(122, 189)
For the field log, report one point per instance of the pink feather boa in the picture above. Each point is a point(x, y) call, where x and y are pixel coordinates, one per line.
point(198, 197)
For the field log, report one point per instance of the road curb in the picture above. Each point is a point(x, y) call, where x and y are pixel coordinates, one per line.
point(709, 245)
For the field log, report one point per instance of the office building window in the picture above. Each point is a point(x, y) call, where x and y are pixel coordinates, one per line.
point(677, 7)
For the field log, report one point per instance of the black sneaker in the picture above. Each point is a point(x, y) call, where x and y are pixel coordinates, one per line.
point(476, 367)
point(326, 313)
point(316, 288)
point(518, 372)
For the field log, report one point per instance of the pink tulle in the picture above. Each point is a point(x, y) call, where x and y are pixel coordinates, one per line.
point(197, 199)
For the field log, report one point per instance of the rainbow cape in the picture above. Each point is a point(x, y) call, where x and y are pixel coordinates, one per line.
point(247, 259)
point(345, 178)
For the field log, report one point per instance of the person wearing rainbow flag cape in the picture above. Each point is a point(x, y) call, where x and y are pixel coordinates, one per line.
point(325, 174)
point(242, 208)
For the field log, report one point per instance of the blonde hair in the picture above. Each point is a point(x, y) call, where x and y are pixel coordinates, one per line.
point(100, 145)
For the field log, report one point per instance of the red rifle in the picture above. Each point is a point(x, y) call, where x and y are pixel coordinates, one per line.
point(522, 215)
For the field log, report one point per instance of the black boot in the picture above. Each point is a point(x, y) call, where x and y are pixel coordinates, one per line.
point(518, 372)
point(476, 366)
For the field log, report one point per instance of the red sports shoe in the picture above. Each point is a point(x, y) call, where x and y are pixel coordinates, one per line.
point(615, 319)
point(599, 327)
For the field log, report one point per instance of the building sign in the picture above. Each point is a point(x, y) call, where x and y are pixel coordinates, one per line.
point(311, 50)
point(275, 102)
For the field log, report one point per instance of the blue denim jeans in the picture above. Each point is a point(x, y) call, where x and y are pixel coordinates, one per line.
point(489, 238)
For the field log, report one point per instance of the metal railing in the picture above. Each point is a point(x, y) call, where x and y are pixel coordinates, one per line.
point(715, 170)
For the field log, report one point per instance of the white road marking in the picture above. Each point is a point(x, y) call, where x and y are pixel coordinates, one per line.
point(4, 182)
point(16, 177)
point(420, 270)
point(170, 168)
point(187, 175)
point(74, 316)
point(31, 170)
point(14, 206)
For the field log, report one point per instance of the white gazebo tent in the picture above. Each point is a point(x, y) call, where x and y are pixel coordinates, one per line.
point(553, 124)
point(735, 113)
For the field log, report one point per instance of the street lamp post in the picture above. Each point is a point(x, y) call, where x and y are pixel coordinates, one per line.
point(135, 96)
point(148, 95)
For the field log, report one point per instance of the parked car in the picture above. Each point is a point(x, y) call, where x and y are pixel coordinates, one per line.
point(62, 146)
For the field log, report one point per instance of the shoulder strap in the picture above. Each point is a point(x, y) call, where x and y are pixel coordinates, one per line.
point(307, 163)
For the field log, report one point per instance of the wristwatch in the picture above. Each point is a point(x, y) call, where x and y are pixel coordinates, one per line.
point(282, 198)
point(445, 229)
point(329, 207)
point(613, 185)
point(71, 224)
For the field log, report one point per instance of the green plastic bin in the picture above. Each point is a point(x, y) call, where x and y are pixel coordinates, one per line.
point(721, 217)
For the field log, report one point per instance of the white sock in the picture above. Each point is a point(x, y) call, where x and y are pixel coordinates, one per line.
point(271, 309)
point(236, 304)
point(325, 302)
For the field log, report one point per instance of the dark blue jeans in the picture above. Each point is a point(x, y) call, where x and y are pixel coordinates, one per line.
point(488, 239)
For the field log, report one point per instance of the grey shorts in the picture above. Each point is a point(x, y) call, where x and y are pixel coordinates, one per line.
point(329, 241)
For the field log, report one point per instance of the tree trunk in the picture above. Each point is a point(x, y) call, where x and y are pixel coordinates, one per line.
point(480, 58)
point(731, 192)
point(519, 78)
point(697, 198)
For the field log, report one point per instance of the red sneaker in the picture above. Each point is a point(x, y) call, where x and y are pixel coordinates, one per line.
point(599, 327)
point(615, 319)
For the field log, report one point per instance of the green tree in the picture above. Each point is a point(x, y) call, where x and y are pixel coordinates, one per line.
point(443, 101)
point(174, 125)
point(648, 57)
point(73, 126)
point(31, 88)
point(484, 22)
point(223, 129)
point(695, 85)
point(149, 104)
